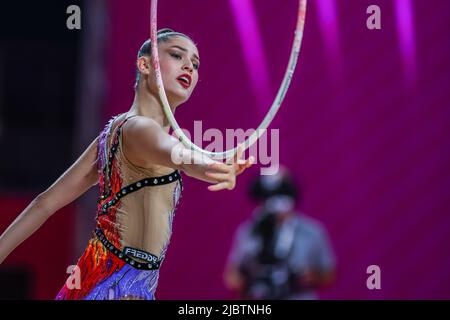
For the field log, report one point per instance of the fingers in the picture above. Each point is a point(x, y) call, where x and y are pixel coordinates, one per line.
point(247, 164)
point(220, 186)
point(237, 155)
point(225, 173)
point(218, 166)
point(250, 161)
point(239, 152)
point(217, 176)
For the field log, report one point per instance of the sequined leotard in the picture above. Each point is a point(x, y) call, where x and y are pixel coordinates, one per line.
point(134, 219)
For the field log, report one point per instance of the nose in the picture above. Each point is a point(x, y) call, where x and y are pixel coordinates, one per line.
point(188, 67)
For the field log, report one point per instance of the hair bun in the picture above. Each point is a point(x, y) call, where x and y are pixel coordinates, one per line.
point(164, 30)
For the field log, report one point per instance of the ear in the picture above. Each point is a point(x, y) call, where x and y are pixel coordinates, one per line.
point(143, 65)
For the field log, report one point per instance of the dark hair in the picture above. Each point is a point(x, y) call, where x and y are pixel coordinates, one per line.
point(286, 186)
point(163, 35)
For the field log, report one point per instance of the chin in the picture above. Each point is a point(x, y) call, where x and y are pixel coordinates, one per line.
point(183, 97)
point(176, 100)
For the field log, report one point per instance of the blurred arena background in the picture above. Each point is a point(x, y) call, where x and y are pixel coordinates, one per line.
point(364, 126)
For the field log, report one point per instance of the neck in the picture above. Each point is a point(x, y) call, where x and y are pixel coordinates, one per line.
point(148, 105)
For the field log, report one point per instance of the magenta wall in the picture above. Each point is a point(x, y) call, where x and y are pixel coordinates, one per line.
point(372, 151)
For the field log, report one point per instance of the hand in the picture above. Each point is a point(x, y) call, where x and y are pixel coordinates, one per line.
point(227, 172)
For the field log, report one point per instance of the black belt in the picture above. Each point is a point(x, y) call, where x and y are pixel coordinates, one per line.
point(151, 262)
point(146, 182)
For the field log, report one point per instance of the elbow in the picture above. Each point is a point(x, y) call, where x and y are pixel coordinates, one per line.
point(179, 159)
point(93, 177)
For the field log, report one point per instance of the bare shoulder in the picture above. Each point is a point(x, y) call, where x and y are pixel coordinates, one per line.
point(141, 125)
point(142, 130)
point(142, 138)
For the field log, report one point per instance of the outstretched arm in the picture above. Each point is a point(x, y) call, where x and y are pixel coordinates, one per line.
point(147, 143)
point(72, 184)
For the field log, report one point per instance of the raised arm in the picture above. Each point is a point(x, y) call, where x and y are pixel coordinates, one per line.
point(73, 183)
point(145, 143)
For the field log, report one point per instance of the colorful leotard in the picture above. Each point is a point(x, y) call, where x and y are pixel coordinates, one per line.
point(134, 219)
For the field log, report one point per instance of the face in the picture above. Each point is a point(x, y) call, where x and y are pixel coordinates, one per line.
point(179, 61)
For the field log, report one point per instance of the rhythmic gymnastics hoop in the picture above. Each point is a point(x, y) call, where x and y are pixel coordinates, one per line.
point(270, 114)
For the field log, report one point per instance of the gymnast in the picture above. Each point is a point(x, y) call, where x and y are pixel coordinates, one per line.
point(137, 165)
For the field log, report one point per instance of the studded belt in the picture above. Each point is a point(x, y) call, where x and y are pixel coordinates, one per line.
point(128, 254)
point(147, 182)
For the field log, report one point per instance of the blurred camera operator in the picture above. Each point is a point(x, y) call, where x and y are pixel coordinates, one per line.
point(279, 253)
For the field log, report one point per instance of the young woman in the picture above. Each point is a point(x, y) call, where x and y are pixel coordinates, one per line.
point(137, 165)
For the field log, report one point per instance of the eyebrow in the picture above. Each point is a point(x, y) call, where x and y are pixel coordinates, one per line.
point(185, 50)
